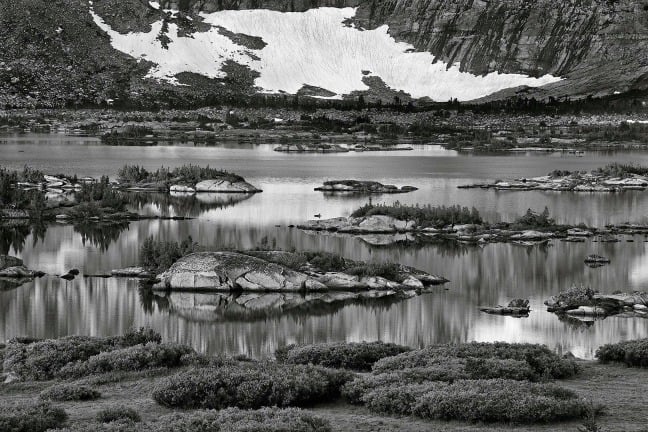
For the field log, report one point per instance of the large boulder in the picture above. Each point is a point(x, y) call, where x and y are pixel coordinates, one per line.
point(225, 185)
point(232, 271)
point(16, 272)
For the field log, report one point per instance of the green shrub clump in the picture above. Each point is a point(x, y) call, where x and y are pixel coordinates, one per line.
point(42, 360)
point(633, 353)
point(188, 174)
point(481, 400)
point(227, 420)
point(543, 361)
point(250, 386)
point(70, 392)
point(118, 413)
point(158, 256)
point(135, 358)
point(30, 417)
point(424, 216)
point(356, 356)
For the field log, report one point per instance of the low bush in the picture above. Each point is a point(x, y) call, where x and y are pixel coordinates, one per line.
point(158, 256)
point(228, 420)
point(135, 358)
point(494, 400)
point(42, 360)
point(70, 392)
point(426, 215)
point(356, 356)
point(543, 361)
point(577, 295)
point(632, 353)
point(448, 369)
point(118, 413)
point(535, 220)
point(30, 417)
point(249, 386)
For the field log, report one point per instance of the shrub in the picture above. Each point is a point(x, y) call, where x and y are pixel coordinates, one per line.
point(42, 360)
point(497, 401)
point(228, 420)
point(356, 356)
point(190, 174)
point(158, 256)
point(250, 386)
point(632, 353)
point(577, 296)
point(70, 392)
point(423, 215)
point(543, 362)
point(117, 413)
point(135, 358)
point(535, 220)
point(448, 369)
point(30, 417)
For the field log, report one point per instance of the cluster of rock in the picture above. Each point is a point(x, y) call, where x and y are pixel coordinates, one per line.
point(362, 186)
point(383, 229)
point(217, 185)
point(594, 305)
point(335, 148)
point(13, 272)
point(573, 183)
point(235, 271)
point(516, 308)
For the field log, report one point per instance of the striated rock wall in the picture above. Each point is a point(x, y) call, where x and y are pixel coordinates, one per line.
point(279, 5)
point(596, 44)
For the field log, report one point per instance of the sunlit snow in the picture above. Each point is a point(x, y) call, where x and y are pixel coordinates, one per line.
point(310, 48)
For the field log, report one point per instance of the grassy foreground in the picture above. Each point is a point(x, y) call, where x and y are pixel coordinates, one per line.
point(137, 382)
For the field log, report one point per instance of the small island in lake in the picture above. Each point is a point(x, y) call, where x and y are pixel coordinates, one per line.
point(362, 186)
point(611, 178)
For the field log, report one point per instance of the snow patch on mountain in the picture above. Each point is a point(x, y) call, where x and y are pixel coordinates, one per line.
point(315, 48)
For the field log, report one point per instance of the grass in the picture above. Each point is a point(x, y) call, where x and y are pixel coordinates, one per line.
point(424, 216)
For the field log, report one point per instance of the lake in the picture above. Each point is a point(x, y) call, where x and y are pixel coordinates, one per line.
point(494, 274)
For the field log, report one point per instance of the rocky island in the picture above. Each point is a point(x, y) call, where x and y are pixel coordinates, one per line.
point(362, 186)
point(584, 303)
point(611, 178)
point(385, 225)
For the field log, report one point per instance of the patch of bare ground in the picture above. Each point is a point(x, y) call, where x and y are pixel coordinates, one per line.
point(622, 390)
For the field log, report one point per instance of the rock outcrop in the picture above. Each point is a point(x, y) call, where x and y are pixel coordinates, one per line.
point(362, 186)
point(580, 302)
point(262, 271)
point(225, 186)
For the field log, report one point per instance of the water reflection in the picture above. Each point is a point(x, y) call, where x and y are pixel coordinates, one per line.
point(490, 275)
point(480, 276)
point(182, 204)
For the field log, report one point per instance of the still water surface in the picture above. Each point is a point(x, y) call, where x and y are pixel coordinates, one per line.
point(50, 307)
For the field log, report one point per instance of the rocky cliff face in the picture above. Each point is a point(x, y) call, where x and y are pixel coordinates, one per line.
point(596, 44)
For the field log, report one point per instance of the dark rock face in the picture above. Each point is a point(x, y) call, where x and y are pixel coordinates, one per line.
point(278, 5)
point(586, 42)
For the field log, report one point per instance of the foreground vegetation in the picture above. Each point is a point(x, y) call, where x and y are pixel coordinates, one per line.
point(471, 382)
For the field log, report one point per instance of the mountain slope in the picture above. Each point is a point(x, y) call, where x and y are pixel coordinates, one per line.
point(74, 52)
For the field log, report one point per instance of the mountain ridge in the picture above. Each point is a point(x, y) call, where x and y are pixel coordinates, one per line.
point(56, 55)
